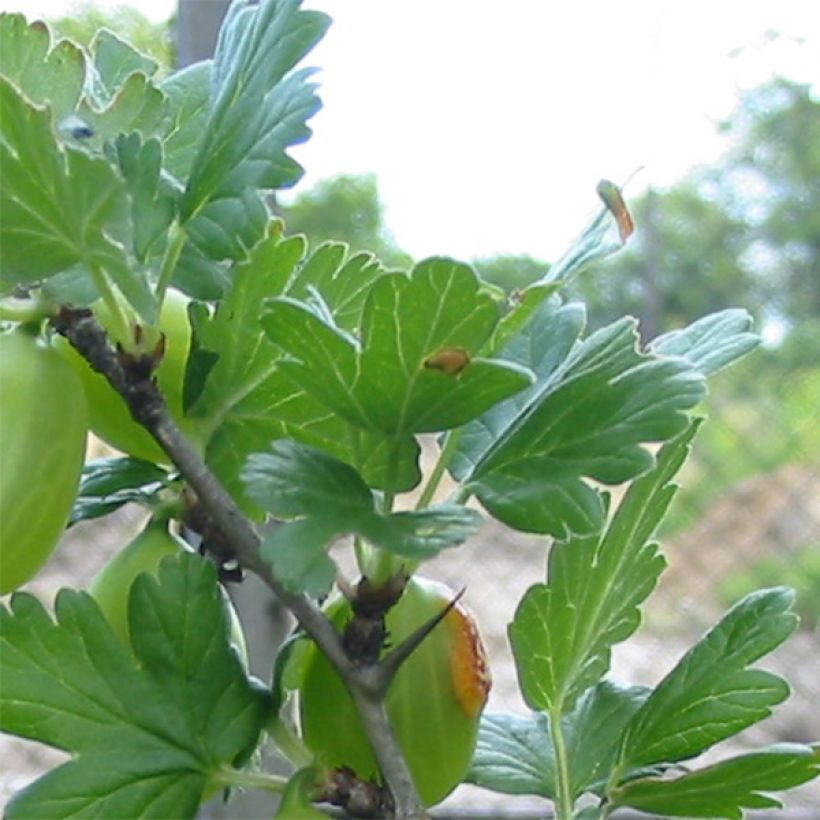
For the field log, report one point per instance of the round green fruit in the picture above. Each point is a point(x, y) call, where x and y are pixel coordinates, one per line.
point(434, 703)
point(43, 425)
point(112, 585)
point(109, 416)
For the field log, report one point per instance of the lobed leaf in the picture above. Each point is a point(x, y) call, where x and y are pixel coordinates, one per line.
point(564, 630)
point(114, 61)
point(712, 342)
point(153, 206)
point(386, 383)
point(46, 73)
point(107, 484)
point(188, 94)
point(256, 111)
point(328, 499)
point(595, 403)
point(711, 694)
point(138, 105)
point(726, 788)
point(247, 400)
point(60, 206)
point(146, 732)
point(515, 755)
point(342, 281)
point(593, 731)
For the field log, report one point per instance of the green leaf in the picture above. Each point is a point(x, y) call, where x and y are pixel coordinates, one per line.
point(200, 277)
point(526, 306)
point(711, 694)
point(343, 283)
point(593, 731)
point(587, 418)
point(246, 358)
point(293, 480)
point(120, 95)
point(109, 483)
point(146, 733)
point(328, 499)
point(515, 755)
point(114, 62)
point(111, 783)
point(188, 92)
point(543, 346)
point(45, 74)
point(387, 383)
point(423, 533)
point(712, 342)
point(726, 788)
point(60, 207)
point(152, 205)
point(257, 109)
point(248, 401)
point(296, 799)
point(297, 553)
point(138, 105)
point(603, 235)
point(230, 227)
point(564, 630)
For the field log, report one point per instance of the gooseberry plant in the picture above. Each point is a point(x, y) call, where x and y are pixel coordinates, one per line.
point(270, 400)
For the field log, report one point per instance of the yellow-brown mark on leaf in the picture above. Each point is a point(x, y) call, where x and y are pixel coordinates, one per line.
point(449, 360)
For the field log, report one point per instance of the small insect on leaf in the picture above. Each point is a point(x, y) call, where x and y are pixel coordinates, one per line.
point(74, 127)
point(449, 360)
point(611, 195)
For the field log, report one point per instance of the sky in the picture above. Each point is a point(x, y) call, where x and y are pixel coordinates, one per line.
point(489, 124)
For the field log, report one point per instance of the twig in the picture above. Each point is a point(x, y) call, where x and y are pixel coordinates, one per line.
point(132, 379)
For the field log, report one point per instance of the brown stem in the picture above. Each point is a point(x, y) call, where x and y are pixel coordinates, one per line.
point(132, 379)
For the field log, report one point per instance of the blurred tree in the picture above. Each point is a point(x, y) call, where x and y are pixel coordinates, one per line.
point(685, 260)
point(153, 39)
point(345, 208)
point(772, 181)
point(746, 230)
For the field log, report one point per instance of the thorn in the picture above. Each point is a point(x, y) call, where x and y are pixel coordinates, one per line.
point(392, 663)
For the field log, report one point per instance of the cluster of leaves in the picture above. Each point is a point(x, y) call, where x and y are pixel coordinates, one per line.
point(623, 743)
point(311, 377)
point(150, 728)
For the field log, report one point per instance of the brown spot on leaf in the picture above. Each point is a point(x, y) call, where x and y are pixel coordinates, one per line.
point(449, 360)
